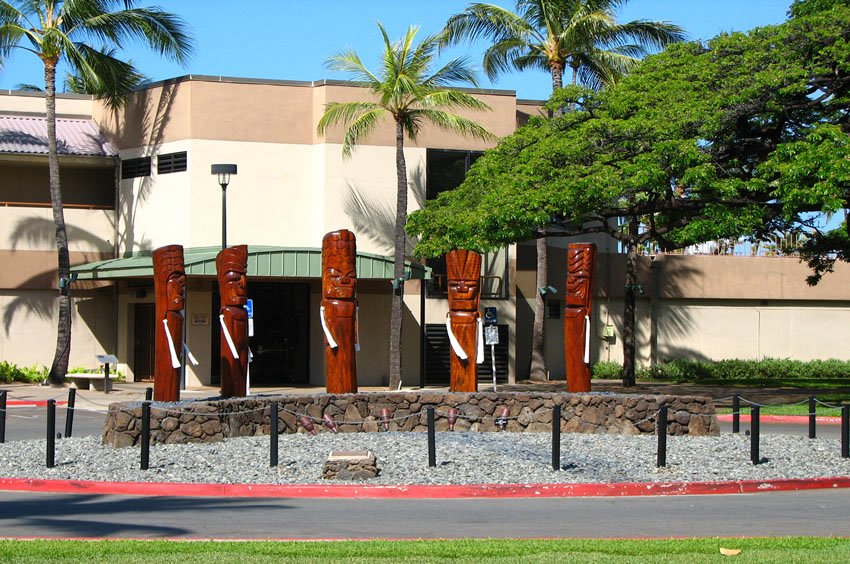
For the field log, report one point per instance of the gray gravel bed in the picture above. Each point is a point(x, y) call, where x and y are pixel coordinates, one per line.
point(462, 458)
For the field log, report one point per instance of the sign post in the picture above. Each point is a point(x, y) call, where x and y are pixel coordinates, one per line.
point(249, 307)
point(491, 337)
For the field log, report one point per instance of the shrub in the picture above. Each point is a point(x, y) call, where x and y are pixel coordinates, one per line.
point(116, 375)
point(741, 370)
point(607, 370)
point(11, 372)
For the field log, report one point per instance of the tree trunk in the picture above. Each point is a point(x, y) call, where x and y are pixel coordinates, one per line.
point(629, 307)
point(557, 70)
point(537, 370)
point(397, 310)
point(63, 334)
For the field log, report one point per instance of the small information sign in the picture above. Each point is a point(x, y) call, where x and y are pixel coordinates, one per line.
point(491, 335)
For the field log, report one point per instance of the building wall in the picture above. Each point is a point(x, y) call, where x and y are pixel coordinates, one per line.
point(702, 307)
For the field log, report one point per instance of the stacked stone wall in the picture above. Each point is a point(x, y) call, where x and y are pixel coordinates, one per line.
point(215, 419)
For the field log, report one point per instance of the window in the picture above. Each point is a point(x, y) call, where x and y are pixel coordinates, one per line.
point(134, 168)
point(171, 162)
point(446, 170)
point(553, 308)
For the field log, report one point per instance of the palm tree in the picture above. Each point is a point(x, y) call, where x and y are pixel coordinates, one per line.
point(405, 92)
point(551, 35)
point(65, 31)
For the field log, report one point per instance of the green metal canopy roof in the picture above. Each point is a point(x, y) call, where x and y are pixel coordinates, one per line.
point(275, 262)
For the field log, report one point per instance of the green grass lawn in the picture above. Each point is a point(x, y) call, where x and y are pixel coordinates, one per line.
point(692, 551)
point(800, 409)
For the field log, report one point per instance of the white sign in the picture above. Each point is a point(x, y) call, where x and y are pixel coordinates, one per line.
point(491, 335)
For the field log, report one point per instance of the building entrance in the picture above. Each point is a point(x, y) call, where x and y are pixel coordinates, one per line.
point(280, 344)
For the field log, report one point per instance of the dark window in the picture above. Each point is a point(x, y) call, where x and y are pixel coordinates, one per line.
point(171, 162)
point(446, 170)
point(553, 309)
point(134, 168)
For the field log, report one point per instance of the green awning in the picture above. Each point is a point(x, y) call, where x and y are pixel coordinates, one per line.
point(274, 262)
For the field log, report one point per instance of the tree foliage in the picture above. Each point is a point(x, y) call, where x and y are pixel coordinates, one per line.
point(738, 136)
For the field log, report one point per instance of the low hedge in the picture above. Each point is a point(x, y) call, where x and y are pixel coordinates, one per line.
point(11, 372)
point(733, 370)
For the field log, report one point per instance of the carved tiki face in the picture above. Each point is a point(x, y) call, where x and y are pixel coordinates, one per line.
point(581, 258)
point(339, 267)
point(170, 276)
point(464, 280)
point(231, 264)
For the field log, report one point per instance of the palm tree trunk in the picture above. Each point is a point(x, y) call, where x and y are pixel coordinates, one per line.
point(63, 334)
point(397, 310)
point(537, 370)
point(629, 307)
point(557, 69)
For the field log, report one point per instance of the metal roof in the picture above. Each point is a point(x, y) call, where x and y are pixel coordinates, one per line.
point(274, 262)
point(28, 134)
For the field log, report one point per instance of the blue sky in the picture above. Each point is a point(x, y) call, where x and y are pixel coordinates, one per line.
point(291, 39)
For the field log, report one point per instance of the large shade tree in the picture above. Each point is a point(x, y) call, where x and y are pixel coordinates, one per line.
point(553, 36)
point(406, 91)
point(85, 35)
point(744, 135)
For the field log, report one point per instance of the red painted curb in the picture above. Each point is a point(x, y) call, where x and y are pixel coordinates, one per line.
point(800, 419)
point(421, 491)
point(33, 403)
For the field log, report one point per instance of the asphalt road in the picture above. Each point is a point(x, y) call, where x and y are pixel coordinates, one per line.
point(816, 513)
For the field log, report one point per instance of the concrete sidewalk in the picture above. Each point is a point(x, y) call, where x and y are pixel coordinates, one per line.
point(135, 391)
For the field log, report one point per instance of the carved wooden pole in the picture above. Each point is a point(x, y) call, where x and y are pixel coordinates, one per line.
point(581, 263)
point(338, 312)
point(231, 265)
point(463, 321)
point(169, 278)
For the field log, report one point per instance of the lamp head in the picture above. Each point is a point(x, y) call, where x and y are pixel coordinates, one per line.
point(223, 171)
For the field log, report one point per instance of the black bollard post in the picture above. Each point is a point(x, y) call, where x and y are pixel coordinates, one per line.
point(845, 431)
point(2, 416)
point(661, 430)
point(556, 437)
point(736, 414)
point(754, 435)
point(107, 385)
point(148, 394)
point(146, 435)
point(51, 433)
point(273, 434)
point(69, 412)
point(432, 448)
point(812, 420)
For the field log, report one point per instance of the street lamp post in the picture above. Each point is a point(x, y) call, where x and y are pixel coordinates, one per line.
point(223, 171)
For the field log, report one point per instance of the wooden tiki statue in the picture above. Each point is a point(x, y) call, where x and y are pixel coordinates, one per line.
point(463, 322)
point(581, 263)
point(338, 312)
point(231, 266)
point(169, 278)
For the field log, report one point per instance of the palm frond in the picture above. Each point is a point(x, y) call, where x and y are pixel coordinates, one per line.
point(360, 129)
point(342, 113)
point(349, 62)
point(100, 73)
point(452, 123)
point(164, 32)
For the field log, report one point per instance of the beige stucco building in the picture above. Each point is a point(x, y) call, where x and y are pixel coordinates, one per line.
point(146, 182)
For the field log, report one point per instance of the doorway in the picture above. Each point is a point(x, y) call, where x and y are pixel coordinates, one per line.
point(144, 325)
point(281, 342)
